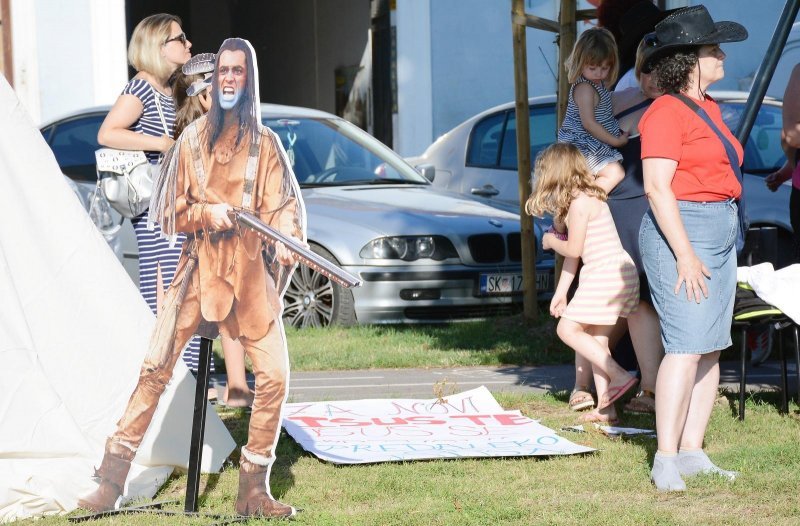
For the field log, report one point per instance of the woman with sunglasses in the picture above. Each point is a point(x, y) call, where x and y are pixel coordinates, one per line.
point(143, 118)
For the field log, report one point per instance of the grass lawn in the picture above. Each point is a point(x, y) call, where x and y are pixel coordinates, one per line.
point(610, 486)
point(496, 341)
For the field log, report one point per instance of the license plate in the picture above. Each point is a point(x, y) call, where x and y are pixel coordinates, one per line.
point(491, 284)
point(500, 283)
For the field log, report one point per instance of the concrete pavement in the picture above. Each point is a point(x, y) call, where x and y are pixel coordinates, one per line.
point(429, 383)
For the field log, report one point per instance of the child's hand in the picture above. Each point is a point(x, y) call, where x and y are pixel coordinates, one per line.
point(547, 238)
point(622, 140)
point(557, 305)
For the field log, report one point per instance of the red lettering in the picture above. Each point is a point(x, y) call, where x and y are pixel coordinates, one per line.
point(475, 419)
point(347, 422)
point(395, 421)
point(512, 420)
point(309, 421)
point(425, 420)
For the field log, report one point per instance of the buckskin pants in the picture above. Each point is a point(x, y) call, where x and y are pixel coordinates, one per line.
point(270, 366)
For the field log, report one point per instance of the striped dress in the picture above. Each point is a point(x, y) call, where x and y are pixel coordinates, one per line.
point(609, 282)
point(597, 153)
point(154, 250)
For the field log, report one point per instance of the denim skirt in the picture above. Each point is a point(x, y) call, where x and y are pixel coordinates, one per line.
point(688, 327)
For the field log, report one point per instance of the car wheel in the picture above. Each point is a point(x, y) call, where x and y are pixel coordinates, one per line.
point(312, 300)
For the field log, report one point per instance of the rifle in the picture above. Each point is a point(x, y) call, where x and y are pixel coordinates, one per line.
point(304, 255)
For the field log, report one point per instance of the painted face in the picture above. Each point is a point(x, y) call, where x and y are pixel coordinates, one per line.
point(177, 48)
point(711, 59)
point(232, 77)
point(596, 72)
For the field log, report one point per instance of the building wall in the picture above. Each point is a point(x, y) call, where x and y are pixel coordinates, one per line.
point(59, 70)
point(471, 57)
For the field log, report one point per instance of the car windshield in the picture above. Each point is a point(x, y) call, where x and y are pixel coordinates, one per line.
point(762, 153)
point(333, 152)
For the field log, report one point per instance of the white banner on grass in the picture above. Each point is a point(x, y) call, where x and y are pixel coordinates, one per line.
point(469, 424)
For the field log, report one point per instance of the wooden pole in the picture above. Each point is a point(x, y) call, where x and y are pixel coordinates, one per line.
point(566, 41)
point(530, 306)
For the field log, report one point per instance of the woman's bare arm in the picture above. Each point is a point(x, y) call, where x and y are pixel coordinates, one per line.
point(114, 132)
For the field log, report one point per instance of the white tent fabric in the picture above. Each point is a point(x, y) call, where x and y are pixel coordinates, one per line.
point(73, 333)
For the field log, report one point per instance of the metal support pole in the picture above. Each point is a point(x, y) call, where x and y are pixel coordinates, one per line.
point(530, 306)
point(198, 426)
point(766, 70)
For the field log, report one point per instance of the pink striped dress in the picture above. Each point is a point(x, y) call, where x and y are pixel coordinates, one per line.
point(609, 283)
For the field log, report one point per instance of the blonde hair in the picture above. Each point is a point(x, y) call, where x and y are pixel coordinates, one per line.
point(639, 64)
point(144, 50)
point(595, 46)
point(560, 172)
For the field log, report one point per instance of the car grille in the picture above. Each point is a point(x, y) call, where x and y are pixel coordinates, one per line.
point(491, 248)
point(514, 247)
point(460, 313)
point(487, 248)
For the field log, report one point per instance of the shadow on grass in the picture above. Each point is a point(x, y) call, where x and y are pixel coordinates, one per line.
point(287, 452)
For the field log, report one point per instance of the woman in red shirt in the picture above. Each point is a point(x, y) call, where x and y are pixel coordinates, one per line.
point(687, 237)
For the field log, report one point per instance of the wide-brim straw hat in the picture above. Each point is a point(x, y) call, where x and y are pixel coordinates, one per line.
point(688, 27)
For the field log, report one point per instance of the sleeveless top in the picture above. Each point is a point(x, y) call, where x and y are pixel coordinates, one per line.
point(596, 152)
point(150, 123)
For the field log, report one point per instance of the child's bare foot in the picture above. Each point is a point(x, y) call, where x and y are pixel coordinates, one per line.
point(600, 416)
point(239, 397)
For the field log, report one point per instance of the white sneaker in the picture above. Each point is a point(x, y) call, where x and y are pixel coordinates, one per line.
point(760, 344)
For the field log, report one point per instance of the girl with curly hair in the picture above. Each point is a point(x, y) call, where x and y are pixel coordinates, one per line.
point(609, 283)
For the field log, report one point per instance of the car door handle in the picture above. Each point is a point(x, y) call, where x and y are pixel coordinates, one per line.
point(486, 190)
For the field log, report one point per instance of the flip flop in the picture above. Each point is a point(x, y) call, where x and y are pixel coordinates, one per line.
point(615, 393)
point(644, 403)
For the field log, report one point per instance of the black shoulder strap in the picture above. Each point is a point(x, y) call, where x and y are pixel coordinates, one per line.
point(733, 159)
point(636, 107)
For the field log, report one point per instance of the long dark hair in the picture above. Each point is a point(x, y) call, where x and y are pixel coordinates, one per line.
point(248, 109)
point(187, 109)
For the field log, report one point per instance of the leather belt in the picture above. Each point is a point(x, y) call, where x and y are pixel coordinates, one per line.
point(211, 237)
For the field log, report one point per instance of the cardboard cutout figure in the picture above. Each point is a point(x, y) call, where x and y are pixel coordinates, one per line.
point(228, 280)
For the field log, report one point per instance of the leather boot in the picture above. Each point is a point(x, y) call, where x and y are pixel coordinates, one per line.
point(112, 474)
point(253, 499)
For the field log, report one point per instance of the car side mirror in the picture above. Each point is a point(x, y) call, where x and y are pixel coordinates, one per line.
point(428, 171)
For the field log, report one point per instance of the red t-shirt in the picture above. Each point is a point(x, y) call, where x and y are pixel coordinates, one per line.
point(671, 130)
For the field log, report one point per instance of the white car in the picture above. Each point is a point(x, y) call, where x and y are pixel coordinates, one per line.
point(423, 254)
point(479, 158)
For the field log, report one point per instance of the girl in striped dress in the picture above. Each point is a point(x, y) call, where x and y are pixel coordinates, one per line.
point(157, 49)
point(589, 122)
point(609, 283)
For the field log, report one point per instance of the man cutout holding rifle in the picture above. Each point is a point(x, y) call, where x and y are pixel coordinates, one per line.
point(228, 280)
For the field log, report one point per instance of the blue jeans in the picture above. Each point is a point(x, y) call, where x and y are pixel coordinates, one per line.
point(688, 327)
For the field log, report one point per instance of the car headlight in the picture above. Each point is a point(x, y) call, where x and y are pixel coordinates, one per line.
point(409, 248)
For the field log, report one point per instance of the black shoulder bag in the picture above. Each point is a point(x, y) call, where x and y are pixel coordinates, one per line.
point(744, 224)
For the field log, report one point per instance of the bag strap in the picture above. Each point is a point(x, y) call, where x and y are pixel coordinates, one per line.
point(636, 107)
point(160, 113)
point(733, 159)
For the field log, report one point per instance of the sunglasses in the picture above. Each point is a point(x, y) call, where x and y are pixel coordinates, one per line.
point(180, 38)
